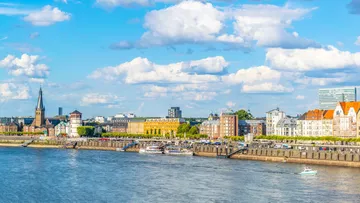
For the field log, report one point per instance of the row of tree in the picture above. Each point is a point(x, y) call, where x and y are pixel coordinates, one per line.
point(186, 128)
point(22, 133)
point(148, 136)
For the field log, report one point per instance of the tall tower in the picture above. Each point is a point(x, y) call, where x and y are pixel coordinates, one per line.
point(40, 111)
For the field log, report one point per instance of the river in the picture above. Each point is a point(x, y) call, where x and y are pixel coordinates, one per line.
point(56, 175)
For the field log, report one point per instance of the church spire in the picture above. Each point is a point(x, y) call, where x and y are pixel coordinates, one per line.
point(40, 104)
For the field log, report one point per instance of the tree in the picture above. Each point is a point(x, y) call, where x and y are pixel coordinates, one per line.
point(244, 115)
point(183, 128)
point(194, 130)
point(86, 131)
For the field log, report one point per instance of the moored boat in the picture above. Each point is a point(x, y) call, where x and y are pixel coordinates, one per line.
point(308, 171)
point(178, 151)
point(154, 149)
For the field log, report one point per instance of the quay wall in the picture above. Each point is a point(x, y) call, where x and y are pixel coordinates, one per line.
point(332, 158)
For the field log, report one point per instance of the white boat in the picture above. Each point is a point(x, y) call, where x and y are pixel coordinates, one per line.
point(308, 171)
point(154, 149)
point(178, 151)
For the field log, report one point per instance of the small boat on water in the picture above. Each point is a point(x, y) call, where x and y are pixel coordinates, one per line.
point(154, 149)
point(308, 171)
point(175, 150)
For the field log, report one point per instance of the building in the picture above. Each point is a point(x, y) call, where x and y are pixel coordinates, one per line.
point(130, 115)
point(9, 127)
point(62, 129)
point(75, 122)
point(120, 127)
point(315, 123)
point(286, 127)
point(229, 125)
point(136, 127)
point(60, 111)
point(210, 128)
point(162, 126)
point(100, 119)
point(174, 112)
point(120, 115)
point(327, 126)
point(254, 127)
point(40, 124)
point(329, 97)
point(272, 118)
point(345, 120)
point(213, 117)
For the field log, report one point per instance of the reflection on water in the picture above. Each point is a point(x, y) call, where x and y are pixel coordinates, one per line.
point(54, 175)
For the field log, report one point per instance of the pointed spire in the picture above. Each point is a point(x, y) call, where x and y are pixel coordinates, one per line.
point(40, 104)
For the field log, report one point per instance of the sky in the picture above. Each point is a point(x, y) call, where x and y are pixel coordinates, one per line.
point(104, 57)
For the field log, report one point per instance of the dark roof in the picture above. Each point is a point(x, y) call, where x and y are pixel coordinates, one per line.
point(40, 104)
point(76, 112)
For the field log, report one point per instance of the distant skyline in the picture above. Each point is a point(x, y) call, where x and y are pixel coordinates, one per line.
point(104, 57)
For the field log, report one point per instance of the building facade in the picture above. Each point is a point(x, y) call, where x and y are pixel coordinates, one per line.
point(210, 128)
point(345, 122)
point(229, 125)
point(254, 127)
point(75, 122)
point(286, 127)
point(62, 129)
point(162, 126)
point(100, 119)
point(174, 112)
point(136, 127)
point(9, 127)
point(272, 118)
point(329, 97)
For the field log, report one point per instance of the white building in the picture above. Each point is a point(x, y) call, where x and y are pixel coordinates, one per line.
point(315, 123)
point(63, 128)
point(120, 115)
point(130, 115)
point(75, 122)
point(110, 118)
point(272, 118)
point(100, 119)
point(286, 127)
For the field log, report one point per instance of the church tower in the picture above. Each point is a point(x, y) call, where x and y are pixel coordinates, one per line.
point(40, 111)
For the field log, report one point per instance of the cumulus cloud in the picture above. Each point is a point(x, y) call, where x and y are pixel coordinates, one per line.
point(116, 3)
point(200, 22)
point(312, 59)
point(47, 16)
point(141, 70)
point(252, 75)
point(357, 42)
point(266, 88)
point(26, 65)
point(108, 100)
point(12, 91)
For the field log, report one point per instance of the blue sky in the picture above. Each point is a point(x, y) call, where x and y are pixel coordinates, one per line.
point(104, 57)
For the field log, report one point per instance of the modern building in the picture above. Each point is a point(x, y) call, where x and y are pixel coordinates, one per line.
point(286, 127)
point(162, 126)
point(60, 111)
point(229, 125)
point(329, 97)
point(254, 127)
point(210, 128)
point(174, 112)
point(136, 127)
point(75, 122)
point(272, 118)
point(346, 120)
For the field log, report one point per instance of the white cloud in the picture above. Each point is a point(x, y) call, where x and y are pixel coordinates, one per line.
point(267, 24)
point(12, 91)
point(252, 75)
point(10, 11)
point(34, 35)
point(108, 100)
point(300, 97)
point(357, 42)
point(115, 3)
point(141, 70)
point(27, 65)
point(228, 91)
point(47, 16)
point(188, 21)
point(266, 87)
point(311, 59)
point(230, 104)
point(3, 38)
point(313, 81)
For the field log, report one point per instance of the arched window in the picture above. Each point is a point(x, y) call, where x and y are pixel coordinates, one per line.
point(151, 132)
point(159, 132)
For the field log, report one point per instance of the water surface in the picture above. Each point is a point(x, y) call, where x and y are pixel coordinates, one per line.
point(55, 175)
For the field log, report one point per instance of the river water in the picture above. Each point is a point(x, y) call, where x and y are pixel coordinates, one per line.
point(55, 175)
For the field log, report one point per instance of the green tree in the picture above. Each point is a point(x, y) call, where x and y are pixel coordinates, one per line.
point(244, 115)
point(183, 128)
point(194, 130)
point(86, 131)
